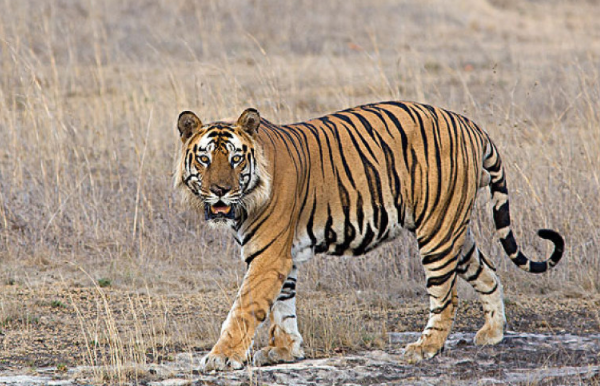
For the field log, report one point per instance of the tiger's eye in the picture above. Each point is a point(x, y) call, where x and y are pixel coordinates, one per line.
point(204, 159)
point(236, 158)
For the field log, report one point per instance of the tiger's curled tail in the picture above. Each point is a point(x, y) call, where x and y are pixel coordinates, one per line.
point(497, 183)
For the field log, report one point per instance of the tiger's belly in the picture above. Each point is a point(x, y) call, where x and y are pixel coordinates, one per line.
point(342, 237)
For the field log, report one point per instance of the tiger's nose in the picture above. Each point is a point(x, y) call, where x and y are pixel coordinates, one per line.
point(220, 190)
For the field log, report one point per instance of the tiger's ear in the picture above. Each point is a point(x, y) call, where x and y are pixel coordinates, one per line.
point(249, 121)
point(188, 124)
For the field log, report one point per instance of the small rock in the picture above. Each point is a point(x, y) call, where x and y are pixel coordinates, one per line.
point(380, 355)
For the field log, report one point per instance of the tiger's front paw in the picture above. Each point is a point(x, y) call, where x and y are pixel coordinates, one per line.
point(219, 362)
point(416, 352)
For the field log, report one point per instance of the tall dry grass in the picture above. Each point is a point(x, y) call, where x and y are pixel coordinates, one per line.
point(89, 94)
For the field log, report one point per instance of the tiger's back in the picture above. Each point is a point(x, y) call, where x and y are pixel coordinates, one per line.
point(365, 173)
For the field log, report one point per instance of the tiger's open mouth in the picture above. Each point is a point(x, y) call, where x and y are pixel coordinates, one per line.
point(219, 211)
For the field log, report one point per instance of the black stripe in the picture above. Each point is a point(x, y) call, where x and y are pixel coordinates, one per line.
point(286, 296)
point(349, 230)
point(310, 222)
point(393, 180)
point(413, 173)
point(289, 285)
point(467, 256)
point(446, 264)
point(333, 128)
point(475, 276)
point(421, 126)
point(255, 226)
point(499, 184)
point(502, 216)
point(366, 241)
point(352, 133)
point(439, 310)
point(510, 246)
point(436, 257)
point(249, 259)
point(330, 235)
point(315, 133)
point(404, 107)
point(367, 125)
point(538, 266)
point(521, 260)
point(360, 214)
point(490, 291)
point(439, 280)
point(375, 110)
point(375, 189)
point(403, 137)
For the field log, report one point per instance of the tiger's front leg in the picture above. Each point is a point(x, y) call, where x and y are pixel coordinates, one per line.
point(285, 341)
point(262, 283)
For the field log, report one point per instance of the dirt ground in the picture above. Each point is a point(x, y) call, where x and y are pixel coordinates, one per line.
point(61, 329)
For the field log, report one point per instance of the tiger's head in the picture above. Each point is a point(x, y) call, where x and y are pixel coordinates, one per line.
point(221, 169)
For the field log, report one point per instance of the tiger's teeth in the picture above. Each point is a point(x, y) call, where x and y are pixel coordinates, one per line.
point(220, 209)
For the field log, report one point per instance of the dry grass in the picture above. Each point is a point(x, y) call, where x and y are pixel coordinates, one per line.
point(89, 94)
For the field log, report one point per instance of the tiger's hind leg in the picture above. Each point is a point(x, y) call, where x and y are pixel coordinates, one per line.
point(285, 342)
point(479, 272)
point(440, 263)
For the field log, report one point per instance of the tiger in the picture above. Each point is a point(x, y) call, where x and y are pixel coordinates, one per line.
point(343, 184)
